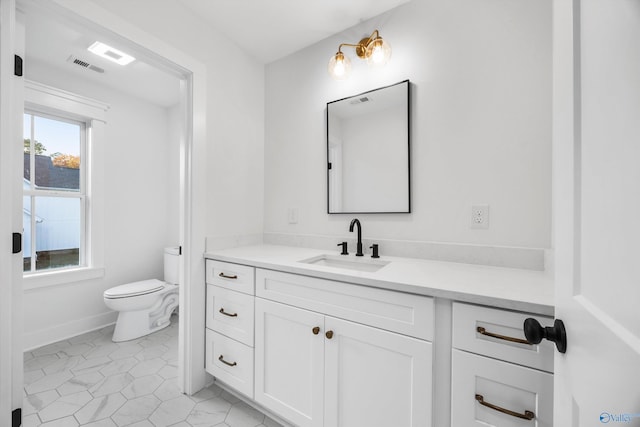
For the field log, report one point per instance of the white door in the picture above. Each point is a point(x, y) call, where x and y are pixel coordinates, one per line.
point(596, 205)
point(375, 378)
point(289, 355)
point(11, 107)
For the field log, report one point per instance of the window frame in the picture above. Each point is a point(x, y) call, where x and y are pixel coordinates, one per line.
point(50, 102)
point(39, 192)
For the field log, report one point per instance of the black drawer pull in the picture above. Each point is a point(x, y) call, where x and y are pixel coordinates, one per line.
point(528, 415)
point(228, 314)
point(483, 331)
point(227, 277)
point(221, 358)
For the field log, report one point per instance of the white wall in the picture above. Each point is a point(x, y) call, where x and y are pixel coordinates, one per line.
point(481, 123)
point(235, 111)
point(140, 164)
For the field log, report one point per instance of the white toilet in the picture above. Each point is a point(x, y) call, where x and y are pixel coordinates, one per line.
point(146, 306)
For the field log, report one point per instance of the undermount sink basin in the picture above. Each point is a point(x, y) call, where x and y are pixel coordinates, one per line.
point(347, 262)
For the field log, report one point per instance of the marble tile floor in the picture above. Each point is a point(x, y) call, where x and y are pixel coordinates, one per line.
point(91, 381)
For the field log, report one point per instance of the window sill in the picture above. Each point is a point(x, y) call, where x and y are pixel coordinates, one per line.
point(60, 277)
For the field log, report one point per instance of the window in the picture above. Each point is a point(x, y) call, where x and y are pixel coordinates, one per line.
point(54, 192)
point(63, 186)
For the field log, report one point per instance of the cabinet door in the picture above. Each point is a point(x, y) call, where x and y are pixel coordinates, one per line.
point(289, 355)
point(376, 378)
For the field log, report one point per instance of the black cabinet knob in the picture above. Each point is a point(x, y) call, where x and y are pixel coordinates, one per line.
point(535, 333)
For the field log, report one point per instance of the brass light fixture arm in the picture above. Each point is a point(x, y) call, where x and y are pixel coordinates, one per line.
point(361, 47)
point(347, 44)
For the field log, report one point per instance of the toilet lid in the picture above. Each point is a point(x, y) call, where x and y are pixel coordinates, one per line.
point(135, 288)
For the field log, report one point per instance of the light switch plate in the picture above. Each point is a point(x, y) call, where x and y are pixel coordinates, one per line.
point(292, 215)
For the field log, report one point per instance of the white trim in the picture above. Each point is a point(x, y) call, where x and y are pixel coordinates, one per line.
point(67, 330)
point(8, 329)
point(41, 97)
point(94, 222)
point(43, 279)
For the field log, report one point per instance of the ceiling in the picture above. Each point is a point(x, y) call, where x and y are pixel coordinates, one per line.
point(51, 42)
point(266, 29)
point(272, 29)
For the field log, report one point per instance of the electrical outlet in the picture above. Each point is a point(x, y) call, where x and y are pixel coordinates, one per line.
point(292, 215)
point(480, 216)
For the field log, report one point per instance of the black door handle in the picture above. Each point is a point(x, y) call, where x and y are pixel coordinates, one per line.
point(535, 333)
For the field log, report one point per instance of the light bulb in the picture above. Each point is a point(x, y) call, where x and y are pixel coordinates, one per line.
point(378, 52)
point(339, 66)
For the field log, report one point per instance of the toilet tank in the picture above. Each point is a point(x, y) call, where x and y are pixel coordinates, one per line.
point(171, 265)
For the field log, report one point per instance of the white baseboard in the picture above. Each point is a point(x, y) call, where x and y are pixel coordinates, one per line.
point(67, 330)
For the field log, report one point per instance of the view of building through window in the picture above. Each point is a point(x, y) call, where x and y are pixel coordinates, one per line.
point(54, 197)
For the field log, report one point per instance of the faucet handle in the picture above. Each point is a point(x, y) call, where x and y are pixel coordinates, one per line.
point(375, 251)
point(344, 248)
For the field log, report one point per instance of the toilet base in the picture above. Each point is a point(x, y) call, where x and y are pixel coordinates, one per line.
point(138, 323)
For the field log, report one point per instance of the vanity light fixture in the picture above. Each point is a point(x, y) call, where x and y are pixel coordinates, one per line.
point(373, 49)
point(110, 53)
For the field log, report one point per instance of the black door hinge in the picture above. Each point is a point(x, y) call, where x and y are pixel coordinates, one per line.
point(17, 243)
point(329, 165)
point(17, 65)
point(16, 417)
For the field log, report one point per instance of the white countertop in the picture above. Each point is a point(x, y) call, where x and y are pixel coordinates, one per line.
point(523, 290)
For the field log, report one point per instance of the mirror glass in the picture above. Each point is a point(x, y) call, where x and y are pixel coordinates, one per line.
point(368, 152)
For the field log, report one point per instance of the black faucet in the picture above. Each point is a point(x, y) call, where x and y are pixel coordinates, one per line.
point(359, 245)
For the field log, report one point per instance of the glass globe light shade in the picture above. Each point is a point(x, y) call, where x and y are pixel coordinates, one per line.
point(339, 66)
point(378, 52)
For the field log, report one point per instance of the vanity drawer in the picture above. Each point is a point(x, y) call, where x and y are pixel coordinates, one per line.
point(504, 385)
point(237, 372)
point(231, 276)
point(407, 314)
point(472, 325)
point(230, 313)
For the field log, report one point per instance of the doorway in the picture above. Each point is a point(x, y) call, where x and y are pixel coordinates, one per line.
point(190, 235)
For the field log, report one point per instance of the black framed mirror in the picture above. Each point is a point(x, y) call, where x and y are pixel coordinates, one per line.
point(368, 152)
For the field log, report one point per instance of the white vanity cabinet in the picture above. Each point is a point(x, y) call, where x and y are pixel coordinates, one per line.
point(316, 369)
point(348, 349)
point(230, 324)
point(498, 378)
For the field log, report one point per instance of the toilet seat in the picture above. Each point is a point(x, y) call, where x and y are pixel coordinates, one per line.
point(133, 289)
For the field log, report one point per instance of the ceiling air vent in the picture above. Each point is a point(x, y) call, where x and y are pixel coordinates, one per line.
point(359, 100)
point(84, 64)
